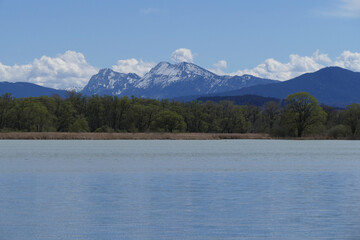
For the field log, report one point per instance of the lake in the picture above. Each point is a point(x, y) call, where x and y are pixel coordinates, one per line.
point(226, 189)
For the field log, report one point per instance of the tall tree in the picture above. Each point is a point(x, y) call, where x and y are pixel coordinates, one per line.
point(5, 106)
point(352, 117)
point(302, 111)
point(271, 111)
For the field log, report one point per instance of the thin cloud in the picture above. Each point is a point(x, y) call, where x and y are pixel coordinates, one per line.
point(150, 11)
point(345, 9)
point(220, 66)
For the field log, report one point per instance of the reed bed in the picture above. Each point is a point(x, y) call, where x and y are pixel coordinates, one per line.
point(129, 136)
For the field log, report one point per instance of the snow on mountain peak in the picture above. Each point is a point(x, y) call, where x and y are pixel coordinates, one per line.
point(110, 80)
point(105, 71)
point(165, 73)
point(163, 68)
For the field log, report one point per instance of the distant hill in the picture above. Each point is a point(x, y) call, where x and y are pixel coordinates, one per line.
point(252, 100)
point(333, 86)
point(24, 89)
point(167, 80)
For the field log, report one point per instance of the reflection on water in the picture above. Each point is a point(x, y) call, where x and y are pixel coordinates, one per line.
point(239, 189)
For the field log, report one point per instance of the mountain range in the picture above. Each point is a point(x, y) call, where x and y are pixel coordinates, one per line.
point(167, 80)
point(333, 86)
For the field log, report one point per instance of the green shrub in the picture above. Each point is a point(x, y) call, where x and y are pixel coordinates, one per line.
point(339, 131)
point(105, 128)
point(80, 125)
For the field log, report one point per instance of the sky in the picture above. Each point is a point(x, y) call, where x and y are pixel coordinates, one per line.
point(61, 44)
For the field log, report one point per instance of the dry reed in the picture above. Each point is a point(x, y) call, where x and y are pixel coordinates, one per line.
point(130, 136)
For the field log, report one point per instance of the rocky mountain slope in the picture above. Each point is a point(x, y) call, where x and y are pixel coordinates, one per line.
point(167, 80)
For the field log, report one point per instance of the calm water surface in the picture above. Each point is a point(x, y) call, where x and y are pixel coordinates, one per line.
point(229, 189)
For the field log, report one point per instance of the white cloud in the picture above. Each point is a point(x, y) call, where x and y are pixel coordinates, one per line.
point(64, 71)
point(133, 65)
point(220, 66)
point(182, 55)
point(298, 65)
point(349, 60)
point(321, 58)
point(346, 8)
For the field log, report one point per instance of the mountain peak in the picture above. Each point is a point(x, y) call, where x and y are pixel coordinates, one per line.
point(107, 81)
point(163, 63)
point(182, 69)
point(190, 67)
point(185, 64)
point(333, 69)
point(160, 67)
point(105, 71)
point(165, 74)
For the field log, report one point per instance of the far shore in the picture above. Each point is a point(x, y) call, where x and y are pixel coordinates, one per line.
point(141, 136)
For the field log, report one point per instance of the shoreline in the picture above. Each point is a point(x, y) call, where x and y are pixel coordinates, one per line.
point(128, 136)
point(146, 136)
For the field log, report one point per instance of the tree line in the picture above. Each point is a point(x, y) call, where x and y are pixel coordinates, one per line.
point(299, 115)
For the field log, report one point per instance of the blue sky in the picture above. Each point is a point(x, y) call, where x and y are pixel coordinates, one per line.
point(241, 34)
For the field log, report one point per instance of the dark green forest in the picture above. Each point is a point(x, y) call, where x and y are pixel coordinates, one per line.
point(299, 115)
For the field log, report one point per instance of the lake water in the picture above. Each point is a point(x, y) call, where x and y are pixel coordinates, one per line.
point(228, 189)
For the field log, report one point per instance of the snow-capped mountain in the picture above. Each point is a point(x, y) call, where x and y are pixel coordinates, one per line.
point(167, 80)
point(164, 74)
point(109, 82)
